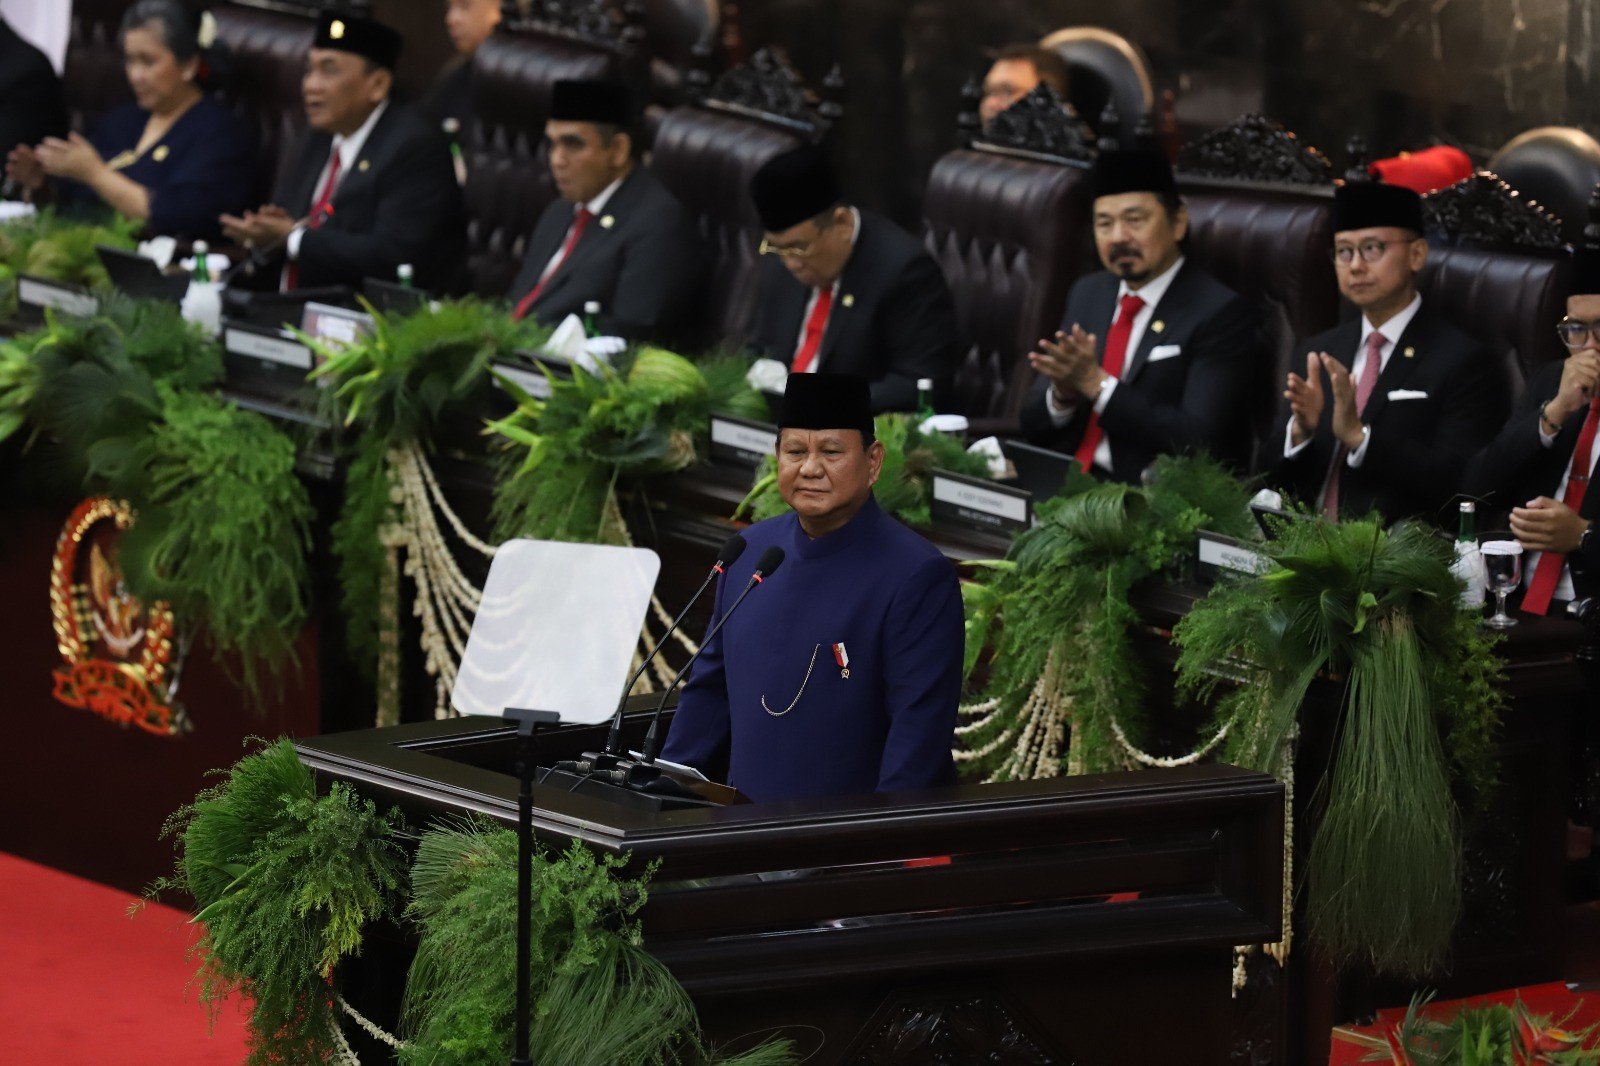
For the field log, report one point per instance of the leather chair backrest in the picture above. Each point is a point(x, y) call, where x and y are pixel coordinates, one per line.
point(1556, 166)
point(267, 57)
point(1010, 234)
point(93, 82)
point(1510, 300)
point(1272, 244)
point(706, 158)
point(1105, 67)
point(508, 179)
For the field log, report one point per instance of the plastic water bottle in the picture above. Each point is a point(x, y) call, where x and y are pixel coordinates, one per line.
point(202, 303)
point(405, 275)
point(925, 409)
point(591, 315)
point(1468, 567)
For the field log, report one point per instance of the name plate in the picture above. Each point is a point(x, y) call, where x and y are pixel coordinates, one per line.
point(981, 505)
point(1219, 552)
point(53, 294)
point(741, 441)
point(271, 347)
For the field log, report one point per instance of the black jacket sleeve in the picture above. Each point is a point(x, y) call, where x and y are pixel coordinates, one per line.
point(1501, 475)
point(918, 334)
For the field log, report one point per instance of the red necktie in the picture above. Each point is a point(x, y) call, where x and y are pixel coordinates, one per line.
point(1547, 575)
point(320, 212)
point(580, 222)
point(1111, 361)
point(1364, 389)
point(816, 326)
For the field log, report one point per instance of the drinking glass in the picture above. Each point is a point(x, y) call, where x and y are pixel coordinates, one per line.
point(1502, 559)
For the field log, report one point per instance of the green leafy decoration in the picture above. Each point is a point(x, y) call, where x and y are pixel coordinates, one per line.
point(1065, 597)
point(56, 249)
point(598, 998)
point(1491, 1034)
point(568, 453)
point(223, 528)
point(1377, 609)
point(905, 484)
point(286, 882)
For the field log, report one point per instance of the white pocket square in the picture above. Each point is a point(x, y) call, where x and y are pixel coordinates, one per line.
point(1406, 394)
point(1164, 351)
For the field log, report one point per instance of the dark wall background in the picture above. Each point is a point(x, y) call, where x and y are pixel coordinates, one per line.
point(1403, 73)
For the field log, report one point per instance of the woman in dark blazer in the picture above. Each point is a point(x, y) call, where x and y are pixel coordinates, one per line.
point(175, 158)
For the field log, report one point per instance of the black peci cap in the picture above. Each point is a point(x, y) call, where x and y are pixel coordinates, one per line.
point(1370, 204)
point(794, 186)
point(606, 102)
point(827, 401)
point(345, 31)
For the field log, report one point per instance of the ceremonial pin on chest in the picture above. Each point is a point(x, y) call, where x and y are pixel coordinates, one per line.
point(842, 657)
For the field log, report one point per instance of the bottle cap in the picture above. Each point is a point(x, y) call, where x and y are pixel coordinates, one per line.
point(200, 247)
point(403, 270)
point(924, 384)
point(1468, 506)
point(591, 307)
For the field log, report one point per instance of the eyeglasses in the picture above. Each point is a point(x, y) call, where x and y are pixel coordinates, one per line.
point(1371, 251)
point(803, 250)
point(1574, 333)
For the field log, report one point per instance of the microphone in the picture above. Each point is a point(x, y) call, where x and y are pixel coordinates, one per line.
point(732, 548)
point(766, 566)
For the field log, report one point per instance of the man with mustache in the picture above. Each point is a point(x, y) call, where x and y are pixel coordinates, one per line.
point(1154, 356)
point(371, 184)
point(1395, 403)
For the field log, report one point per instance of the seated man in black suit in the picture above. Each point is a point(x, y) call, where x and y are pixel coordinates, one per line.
point(616, 237)
point(1408, 399)
point(371, 184)
point(1180, 348)
point(1541, 464)
point(851, 293)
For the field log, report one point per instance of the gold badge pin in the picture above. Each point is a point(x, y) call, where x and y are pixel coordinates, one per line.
point(1409, 353)
point(849, 300)
point(160, 153)
point(336, 29)
point(364, 166)
point(607, 221)
point(1157, 326)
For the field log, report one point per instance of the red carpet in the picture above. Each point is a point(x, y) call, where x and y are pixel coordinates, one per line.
point(81, 982)
point(1552, 1000)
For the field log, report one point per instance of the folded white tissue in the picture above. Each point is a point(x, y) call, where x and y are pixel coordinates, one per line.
point(989, 448)
point(767, 375)
point(572, 345)
point(951, 424)
point(1268, 498)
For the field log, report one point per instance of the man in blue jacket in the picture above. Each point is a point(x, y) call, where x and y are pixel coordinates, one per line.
point(842, 673)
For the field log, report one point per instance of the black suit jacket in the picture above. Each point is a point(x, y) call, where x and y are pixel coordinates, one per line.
point(31, 104)
point(1515, 467)
point(1190, 401)
point(1419, 448)
point(644, 269)
point(398, 204)
point(893, 320)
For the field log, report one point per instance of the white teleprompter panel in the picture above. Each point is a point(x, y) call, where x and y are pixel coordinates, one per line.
point(556, 630)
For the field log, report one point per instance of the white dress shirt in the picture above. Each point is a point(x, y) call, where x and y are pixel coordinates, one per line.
point(1392, 331)
point(1151, 293)
point(1564, 589)
point(595, 206)
point(349, 150)
point(811, 302)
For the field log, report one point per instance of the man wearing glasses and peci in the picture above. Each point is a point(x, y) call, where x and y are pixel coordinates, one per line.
point(844, 290)
point(1395, 403)
point(1540, 465)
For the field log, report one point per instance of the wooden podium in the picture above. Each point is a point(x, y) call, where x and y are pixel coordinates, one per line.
point(1080, 920)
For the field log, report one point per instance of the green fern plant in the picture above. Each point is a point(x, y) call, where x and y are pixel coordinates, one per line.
point(1378, 610)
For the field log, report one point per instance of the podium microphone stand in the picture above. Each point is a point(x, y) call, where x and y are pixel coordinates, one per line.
point(528, 723)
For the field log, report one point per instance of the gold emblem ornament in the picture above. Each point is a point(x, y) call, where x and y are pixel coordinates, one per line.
point(336, 29)
point(1409, 353)
point(849, 300)
point(1157, 326)
point(364, 166)
point(161, 153)
point(117, 654)
point(607, 221)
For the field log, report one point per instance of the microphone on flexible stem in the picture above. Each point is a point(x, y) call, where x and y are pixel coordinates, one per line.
point(766, 566)
point(732, 548)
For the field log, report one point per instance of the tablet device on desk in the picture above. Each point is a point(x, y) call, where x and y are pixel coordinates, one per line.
point(1039, 470)
point(136, 276)
point(393, 298)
